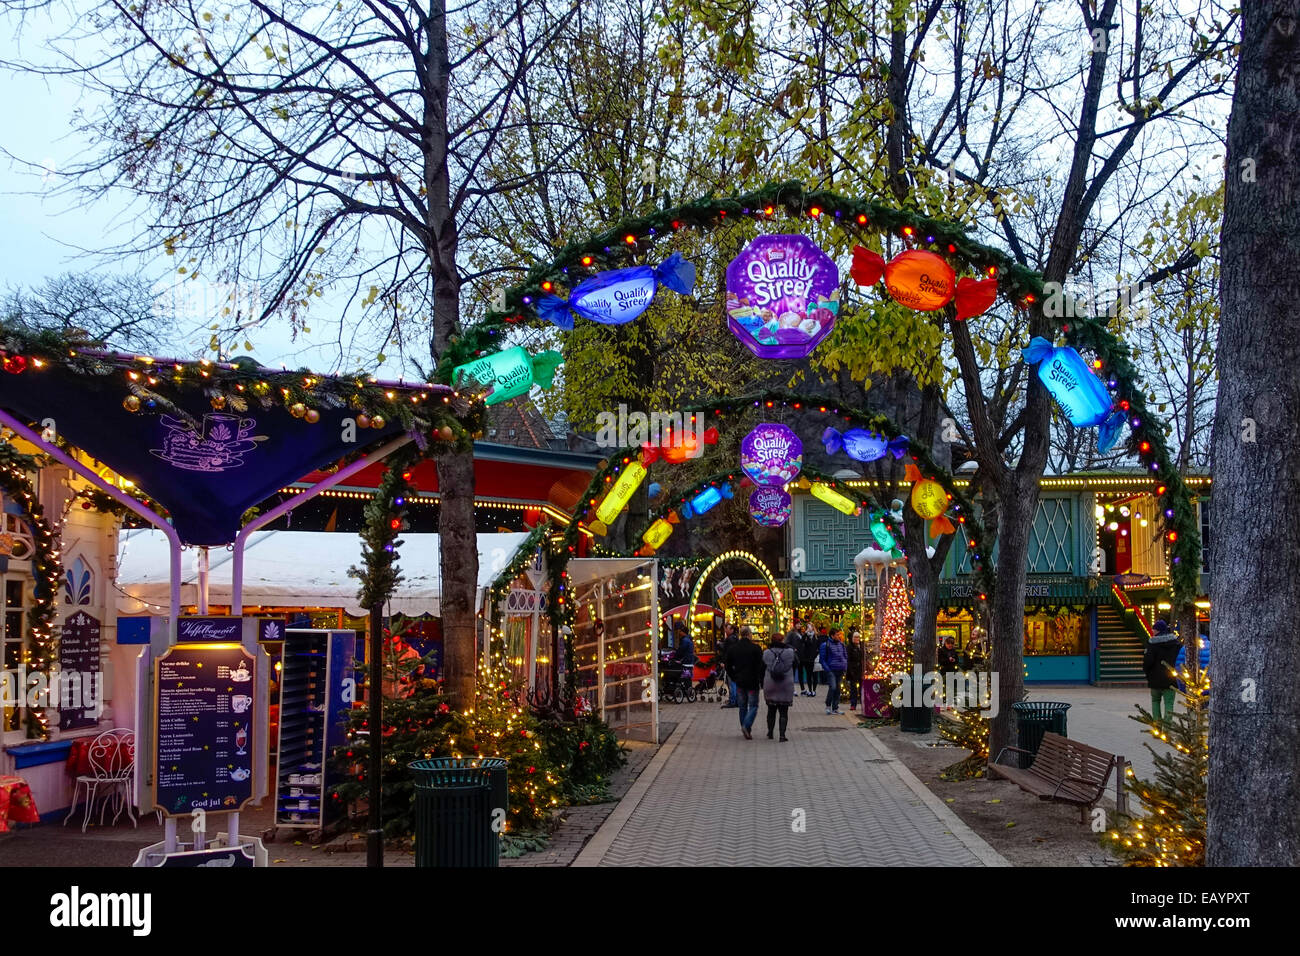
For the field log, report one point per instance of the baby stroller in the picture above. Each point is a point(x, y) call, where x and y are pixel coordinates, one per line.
point(676, 680)
point(711, 683)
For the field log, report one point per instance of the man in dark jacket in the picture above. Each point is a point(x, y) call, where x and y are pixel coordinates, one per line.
point(745, 661)
point(728, 643)
point(807, 649)
point(854, 673)
point(948, 660)
point(835, 661)
point(794, 641)
point(685, 651)
point(1158, 665)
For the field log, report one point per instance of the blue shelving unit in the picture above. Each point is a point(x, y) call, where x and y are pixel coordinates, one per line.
point(313, 669)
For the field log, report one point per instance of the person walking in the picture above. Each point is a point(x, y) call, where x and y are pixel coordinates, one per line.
point(947, 656)
point(684, 653)
point(853, 674)
point(780, 662)
point(747, 660)
point(808, 658)
point(794, 641)
point(834, 661)
point(730, 641)
point(1158, 664)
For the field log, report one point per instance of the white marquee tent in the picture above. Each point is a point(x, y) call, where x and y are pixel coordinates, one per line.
point(295, 569)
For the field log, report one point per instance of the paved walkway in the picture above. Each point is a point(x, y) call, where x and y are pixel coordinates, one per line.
point(832, 796)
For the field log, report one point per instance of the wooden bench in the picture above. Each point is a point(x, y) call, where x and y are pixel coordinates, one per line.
point(1064, 770)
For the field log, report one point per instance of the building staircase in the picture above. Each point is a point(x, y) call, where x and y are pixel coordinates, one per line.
point(1121, 639)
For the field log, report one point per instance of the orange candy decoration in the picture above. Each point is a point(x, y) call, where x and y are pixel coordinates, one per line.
point(920, 280)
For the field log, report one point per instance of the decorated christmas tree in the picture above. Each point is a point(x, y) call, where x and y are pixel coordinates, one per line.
point(895, 645)
point(501, 725)
point(418, 724)
point(1172, 831)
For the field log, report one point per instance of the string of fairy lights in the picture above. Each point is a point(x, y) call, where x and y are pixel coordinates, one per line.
point(39, 648)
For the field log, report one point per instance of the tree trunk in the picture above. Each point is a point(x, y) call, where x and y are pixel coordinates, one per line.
point(1255, 703)
point(457, 537)
point(459, 546)
point(1007, 631)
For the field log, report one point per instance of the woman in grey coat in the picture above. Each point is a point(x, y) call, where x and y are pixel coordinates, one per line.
point(778, 683)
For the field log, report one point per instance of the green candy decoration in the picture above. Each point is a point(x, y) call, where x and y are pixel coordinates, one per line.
point(510, 373)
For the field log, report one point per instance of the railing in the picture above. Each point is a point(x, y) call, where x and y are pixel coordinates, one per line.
point(1126, 604)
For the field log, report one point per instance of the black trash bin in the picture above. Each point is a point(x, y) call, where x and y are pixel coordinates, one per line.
point(493, 769)
point(454, 817)
point(915, 720)
point(1033, 719)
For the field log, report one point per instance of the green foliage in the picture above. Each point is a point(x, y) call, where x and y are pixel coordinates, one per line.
point(384, 522)
point(416, 727)
point(1173, 830)
point(47, 571)
point(584, 752)
point(971, 731)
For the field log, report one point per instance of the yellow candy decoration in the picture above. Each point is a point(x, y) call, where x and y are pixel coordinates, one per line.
point(929, 500)
point(833, 498)
point(657, 533)
point(621, 493)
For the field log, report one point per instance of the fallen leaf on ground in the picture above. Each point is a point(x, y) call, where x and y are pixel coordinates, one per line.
point(994, 800)
point(1011, 823)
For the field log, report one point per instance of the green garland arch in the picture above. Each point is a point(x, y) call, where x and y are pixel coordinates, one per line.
point(47, 572)
point(619, 245)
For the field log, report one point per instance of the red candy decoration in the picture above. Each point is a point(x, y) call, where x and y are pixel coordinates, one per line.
point(975, 296)
point(867, 266)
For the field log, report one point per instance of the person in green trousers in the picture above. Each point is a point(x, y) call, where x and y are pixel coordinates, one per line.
point(1158, 665)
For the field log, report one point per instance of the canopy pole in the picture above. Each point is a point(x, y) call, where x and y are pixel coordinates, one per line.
point(203, 579)
point(162, 524)
point(284, 507)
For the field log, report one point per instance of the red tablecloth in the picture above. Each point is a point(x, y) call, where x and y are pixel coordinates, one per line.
point(79, 756)
point(16, 803)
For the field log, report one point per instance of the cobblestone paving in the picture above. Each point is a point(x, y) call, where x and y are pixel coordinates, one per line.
point(713, 798)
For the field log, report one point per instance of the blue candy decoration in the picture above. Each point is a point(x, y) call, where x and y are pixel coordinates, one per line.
point(705, 500)
point(862, 445)
point(653, 489)
point(618, 296)
point(1080, 393)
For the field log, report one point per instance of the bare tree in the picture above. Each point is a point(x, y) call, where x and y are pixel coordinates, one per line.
point(307, 149)
point(119, 311)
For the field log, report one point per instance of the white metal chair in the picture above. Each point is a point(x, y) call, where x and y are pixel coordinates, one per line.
point(112, 765)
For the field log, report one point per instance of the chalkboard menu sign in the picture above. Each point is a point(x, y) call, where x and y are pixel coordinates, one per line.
point(80, 690)
point(203, 707)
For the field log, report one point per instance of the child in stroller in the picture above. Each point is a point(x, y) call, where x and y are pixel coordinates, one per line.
point(681, 683)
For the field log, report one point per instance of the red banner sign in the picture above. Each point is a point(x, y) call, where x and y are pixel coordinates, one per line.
point(752, 594)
